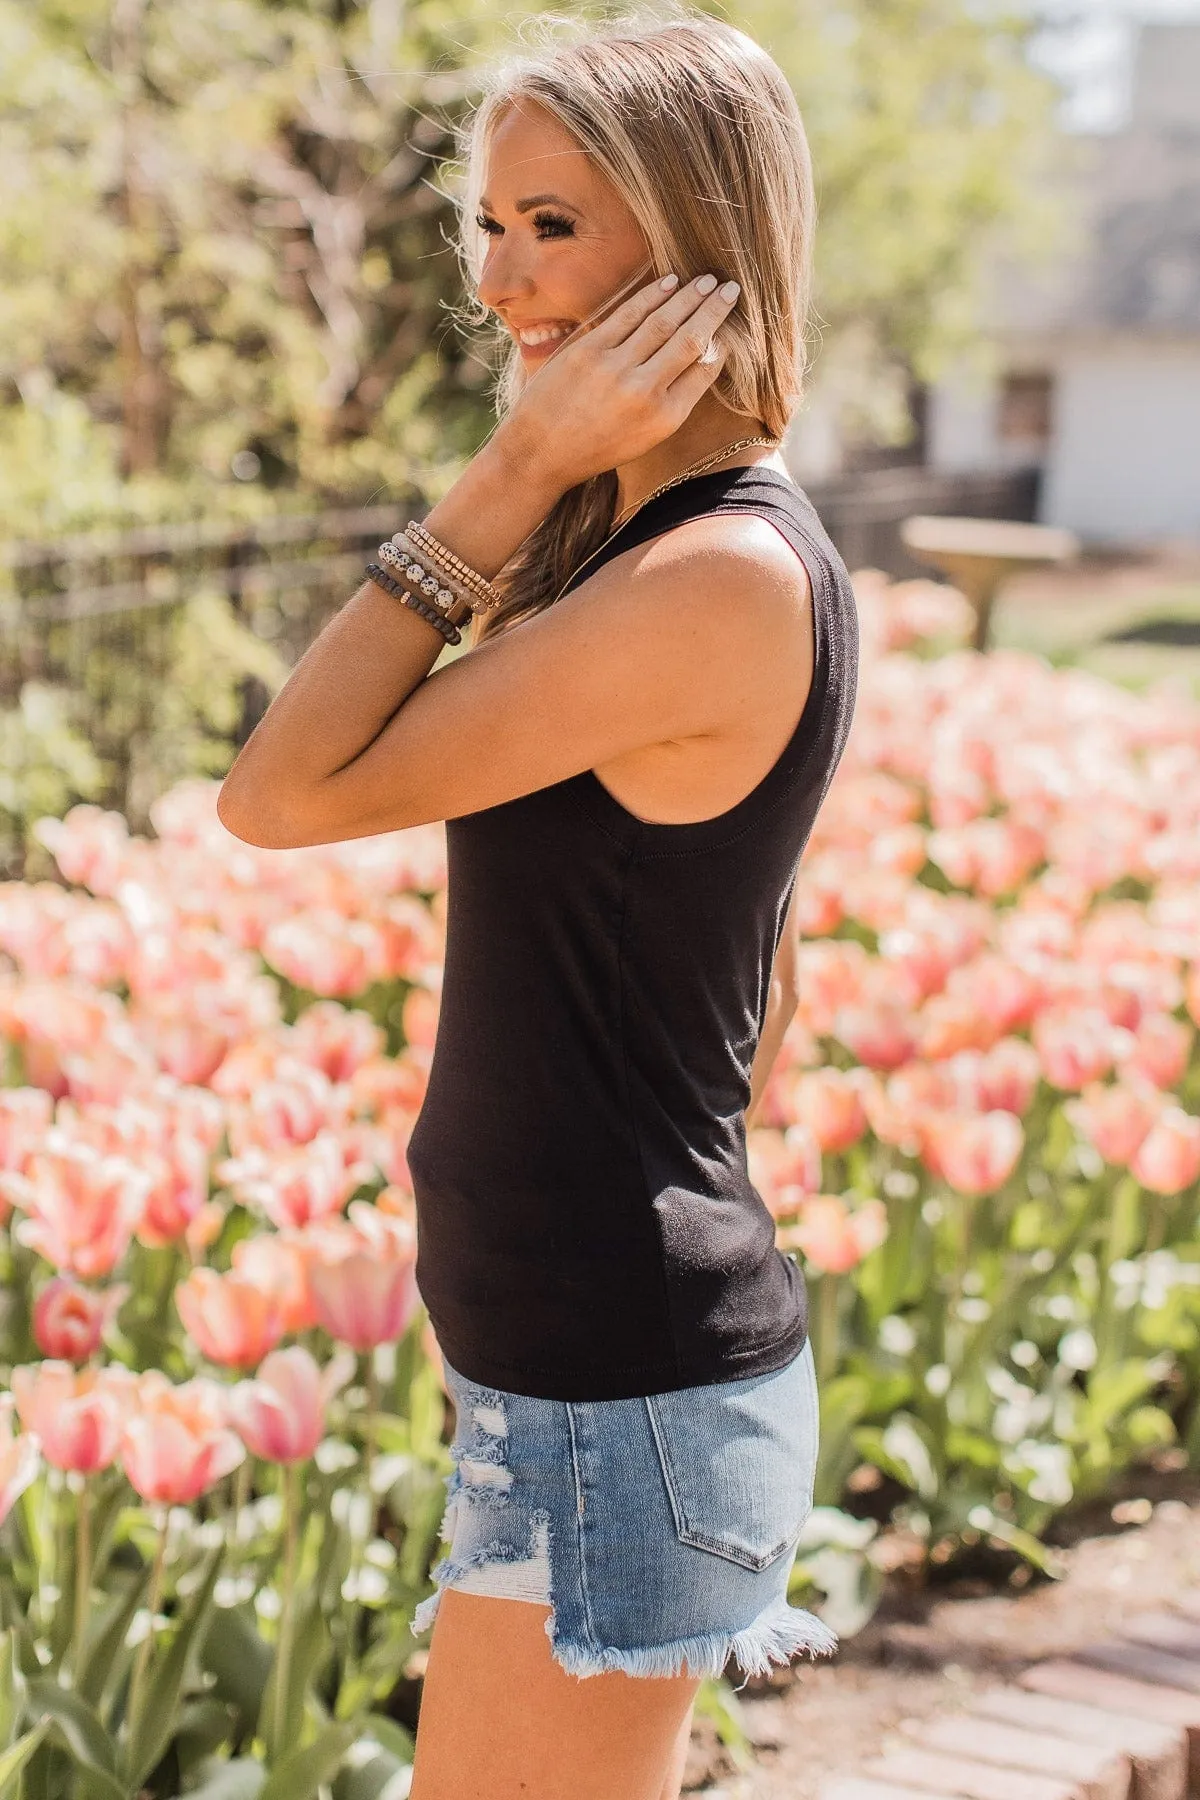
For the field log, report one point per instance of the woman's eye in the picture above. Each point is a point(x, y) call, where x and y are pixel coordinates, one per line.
point(548, 225)
point(553, 224)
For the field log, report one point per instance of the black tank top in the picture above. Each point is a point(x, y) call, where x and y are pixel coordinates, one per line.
point(586, 1226)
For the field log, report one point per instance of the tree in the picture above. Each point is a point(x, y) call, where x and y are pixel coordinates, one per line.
point(225, 232)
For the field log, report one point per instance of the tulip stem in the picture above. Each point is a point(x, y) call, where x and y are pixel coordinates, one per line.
point(371, 1426)
point(288, 1606)
point(358, 1545)
point(827, 1327)
point(138, 1679)
point(83, 1572)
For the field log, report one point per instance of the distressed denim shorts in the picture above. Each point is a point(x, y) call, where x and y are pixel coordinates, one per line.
point(660, 1531)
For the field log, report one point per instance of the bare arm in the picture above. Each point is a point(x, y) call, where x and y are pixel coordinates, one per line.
point(781, 1006)
point(373, 655)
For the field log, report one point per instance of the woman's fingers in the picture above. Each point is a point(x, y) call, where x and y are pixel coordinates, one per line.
point(697, 378)
point(690, 337)
point(663, 321)
point(625, 320)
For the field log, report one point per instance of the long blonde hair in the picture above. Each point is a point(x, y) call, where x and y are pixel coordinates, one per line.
point(697, 128)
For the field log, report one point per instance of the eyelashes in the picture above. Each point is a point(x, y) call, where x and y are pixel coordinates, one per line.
point(548, 224)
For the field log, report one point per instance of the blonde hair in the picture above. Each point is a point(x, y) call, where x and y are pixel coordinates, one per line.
point(697, 128)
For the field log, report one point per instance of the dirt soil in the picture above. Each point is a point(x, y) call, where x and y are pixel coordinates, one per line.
point(818, 1718)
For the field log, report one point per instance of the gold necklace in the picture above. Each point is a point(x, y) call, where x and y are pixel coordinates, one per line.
point(696, 468)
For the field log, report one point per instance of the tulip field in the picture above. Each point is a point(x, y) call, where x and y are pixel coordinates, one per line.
point(223, 1432)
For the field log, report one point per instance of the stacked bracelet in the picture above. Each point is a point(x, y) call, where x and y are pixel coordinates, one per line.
point(477, 588)
point(407, 597)
point(443, 593)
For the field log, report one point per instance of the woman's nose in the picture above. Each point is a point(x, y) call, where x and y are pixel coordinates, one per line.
point(503, 280)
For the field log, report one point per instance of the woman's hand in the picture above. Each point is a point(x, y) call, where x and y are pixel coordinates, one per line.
point(623, 387)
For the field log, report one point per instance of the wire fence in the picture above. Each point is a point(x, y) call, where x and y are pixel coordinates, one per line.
point(130, 661)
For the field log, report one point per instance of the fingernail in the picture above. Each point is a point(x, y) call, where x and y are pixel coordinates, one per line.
point(706, 284)
point(668, 282)
point(731, 290)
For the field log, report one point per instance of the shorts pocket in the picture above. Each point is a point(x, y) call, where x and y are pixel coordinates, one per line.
point(739, 1460)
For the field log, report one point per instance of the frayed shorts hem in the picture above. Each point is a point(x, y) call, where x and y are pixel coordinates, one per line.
point(627, 1518)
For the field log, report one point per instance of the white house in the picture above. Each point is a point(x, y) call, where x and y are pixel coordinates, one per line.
point(1097, 354)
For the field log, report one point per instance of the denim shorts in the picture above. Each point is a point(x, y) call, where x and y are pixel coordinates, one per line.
point(660, 1531)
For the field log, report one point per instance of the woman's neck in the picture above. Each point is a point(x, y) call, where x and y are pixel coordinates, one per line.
point(707, 427)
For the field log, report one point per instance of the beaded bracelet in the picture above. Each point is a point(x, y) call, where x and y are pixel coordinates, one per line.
point(443, 593)
point(454, 565)
point(406, 597)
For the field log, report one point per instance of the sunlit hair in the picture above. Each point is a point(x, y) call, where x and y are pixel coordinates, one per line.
point(698, 130)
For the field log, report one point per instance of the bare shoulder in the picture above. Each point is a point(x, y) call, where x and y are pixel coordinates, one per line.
point(712, 617)
point(720, 580)
point(701, 554)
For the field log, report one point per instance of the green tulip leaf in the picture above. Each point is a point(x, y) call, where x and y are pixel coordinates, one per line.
point(299, 1775)
point(239, 1779)
point(152, 1730)
point(18, 1754)
point(82, 1735)
point(239, 1660)
point(104, 1642)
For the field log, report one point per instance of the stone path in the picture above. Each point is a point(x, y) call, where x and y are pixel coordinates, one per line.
point(1087, 1688)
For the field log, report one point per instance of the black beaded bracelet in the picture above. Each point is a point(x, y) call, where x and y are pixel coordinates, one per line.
point(406, 597)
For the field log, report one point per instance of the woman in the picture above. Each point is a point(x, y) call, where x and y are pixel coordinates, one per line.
point(630, 757)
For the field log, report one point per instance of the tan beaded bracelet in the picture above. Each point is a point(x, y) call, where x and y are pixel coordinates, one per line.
point(454, 566)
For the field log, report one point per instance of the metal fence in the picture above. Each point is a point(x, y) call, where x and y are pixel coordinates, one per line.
point(128, 661)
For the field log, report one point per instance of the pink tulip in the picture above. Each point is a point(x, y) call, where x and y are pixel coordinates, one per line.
point(364, 1298)
point(25, 1117)
point(973, 1154)
point(1001, 989)
point(89, 845)
point(892, 1120)
point(336, 1039)
point(296, 1185)
point(948, 1024)
point(784, 1166)
point(831, 973)
point(233, 1321)
point(834, 1236)
point(1076, 1045)
point(294, 1107)
point(69, 1321)
point(177, 1443)
point(881, 1037)
point(280, 1415)
point(413, 938)
point(188, 1040)
point(277, 1263)
point(179, 1191)
point(204, 1229)
point(387, 1086)
point(829, 1101)
point(1115, 1118)
point(1168, 1158)
point(19, 1458)
point(1008, 1076)
point(1161, 1050)
point(76, 1414)
point(82, 1208)
point(420, 1018)
point(326, 953)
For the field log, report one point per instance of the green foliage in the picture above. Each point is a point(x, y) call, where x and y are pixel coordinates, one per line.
point(226, 232)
